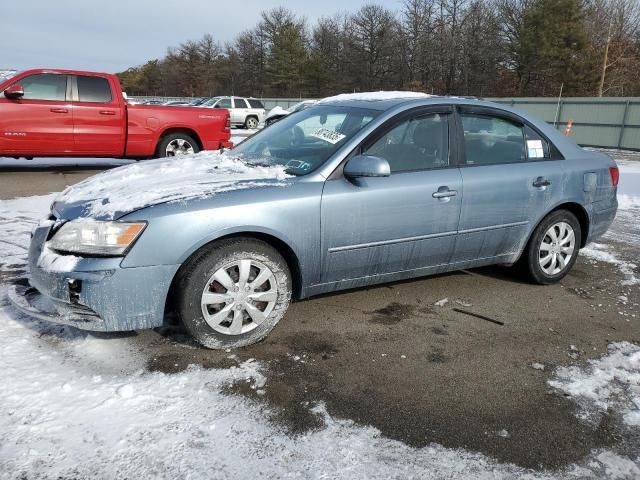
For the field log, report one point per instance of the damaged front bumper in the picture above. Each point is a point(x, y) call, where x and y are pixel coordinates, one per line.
point(96, 294)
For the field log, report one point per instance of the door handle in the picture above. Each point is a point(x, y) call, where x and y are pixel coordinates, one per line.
point(59, 110)
point(541, 182)
point(107, 112)
point(444, 192)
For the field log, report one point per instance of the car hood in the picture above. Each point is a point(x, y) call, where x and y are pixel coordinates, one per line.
point(117, 192)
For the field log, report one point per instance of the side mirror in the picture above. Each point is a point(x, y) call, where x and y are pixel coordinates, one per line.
point(14, 92)
point(367, 166)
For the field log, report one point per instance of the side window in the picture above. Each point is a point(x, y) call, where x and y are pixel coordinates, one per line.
point(537, 147)
point(419, 143)
point(255, 103)
point(44, 86)
point(224, 103)
point(240, 103)
point(93, 89)
point(489, 140)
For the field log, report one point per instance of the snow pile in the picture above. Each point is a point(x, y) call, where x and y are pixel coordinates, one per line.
point(604, 253)
point(131, 187)
point(375, 96)
point(612, 382)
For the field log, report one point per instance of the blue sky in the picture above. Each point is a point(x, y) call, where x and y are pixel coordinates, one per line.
point(115, 34)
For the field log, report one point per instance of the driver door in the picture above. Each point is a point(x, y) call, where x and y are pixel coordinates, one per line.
point(41, 122)
point(406, 222)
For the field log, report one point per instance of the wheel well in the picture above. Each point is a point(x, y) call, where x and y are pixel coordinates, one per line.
point(250, 116)
point(283, 249)
point(582, 216)
point(186, 131)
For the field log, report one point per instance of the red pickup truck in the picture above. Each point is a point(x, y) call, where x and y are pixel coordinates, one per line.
point(49, 113)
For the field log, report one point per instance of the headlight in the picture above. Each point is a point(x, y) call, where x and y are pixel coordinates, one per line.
point(96, 238)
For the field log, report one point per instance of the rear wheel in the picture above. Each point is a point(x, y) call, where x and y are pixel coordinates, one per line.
point(553, 247)
point(251, 123)
point(177, 144)
point(234, 293)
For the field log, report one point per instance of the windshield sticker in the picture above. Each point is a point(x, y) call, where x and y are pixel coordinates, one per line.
point(330, 136)
point(535, 149)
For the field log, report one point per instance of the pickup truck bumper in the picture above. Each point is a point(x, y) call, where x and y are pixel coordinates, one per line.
point(97, 294)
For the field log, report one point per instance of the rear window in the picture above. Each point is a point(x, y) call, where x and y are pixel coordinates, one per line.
point(93, 89)
point(255, 103)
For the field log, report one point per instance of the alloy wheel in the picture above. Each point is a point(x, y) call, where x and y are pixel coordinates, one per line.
point(557, 248)
point(239, 296)
point(179, 146)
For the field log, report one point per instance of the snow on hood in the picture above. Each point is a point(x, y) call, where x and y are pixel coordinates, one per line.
point(129, 188)
point(372, 96)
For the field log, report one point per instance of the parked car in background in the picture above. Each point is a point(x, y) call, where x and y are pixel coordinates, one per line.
point(199, 101)
point(277, 112)
point(353, 191)
point(245, 112)
point(152, 102)
point(48, 113)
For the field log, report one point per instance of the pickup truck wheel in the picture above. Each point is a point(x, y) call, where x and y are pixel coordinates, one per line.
point(251, 123)
point(553, 248)
point(233, 294)
point(177, 144)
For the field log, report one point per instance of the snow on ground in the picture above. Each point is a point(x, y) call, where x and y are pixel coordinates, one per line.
point(79, 406)
point(134, 186)
point(610, 383)
point(17, 219)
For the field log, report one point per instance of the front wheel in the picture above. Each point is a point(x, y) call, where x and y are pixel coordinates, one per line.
point(553, 247)
point(234, 293)
point(176, 145)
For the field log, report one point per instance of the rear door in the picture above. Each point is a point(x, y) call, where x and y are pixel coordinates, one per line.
point(511, 175)
point(41, 122)
point(99, 118)
point(404, 222)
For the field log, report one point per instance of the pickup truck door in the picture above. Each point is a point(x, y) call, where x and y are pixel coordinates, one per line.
point(41, 122)
point(99, 116)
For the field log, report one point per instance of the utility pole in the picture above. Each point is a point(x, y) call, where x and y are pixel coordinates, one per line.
point(605, 59)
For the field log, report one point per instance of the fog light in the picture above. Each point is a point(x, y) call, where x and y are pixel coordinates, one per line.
point(75, 287)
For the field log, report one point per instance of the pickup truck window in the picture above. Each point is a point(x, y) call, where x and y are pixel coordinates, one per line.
point(44, 86)
point(93, 89)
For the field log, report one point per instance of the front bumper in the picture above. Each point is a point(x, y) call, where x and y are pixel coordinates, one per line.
point(97, 294)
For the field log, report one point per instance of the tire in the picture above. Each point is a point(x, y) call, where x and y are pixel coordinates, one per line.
point(184, 145)
point(251, 123)
point(232, 320)
point(541, 267)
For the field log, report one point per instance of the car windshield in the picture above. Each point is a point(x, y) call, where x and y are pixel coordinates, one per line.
point(211, 101)
point(305, 140)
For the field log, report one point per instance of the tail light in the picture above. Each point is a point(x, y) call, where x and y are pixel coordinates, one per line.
point(615, 175)
point(227, 125)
